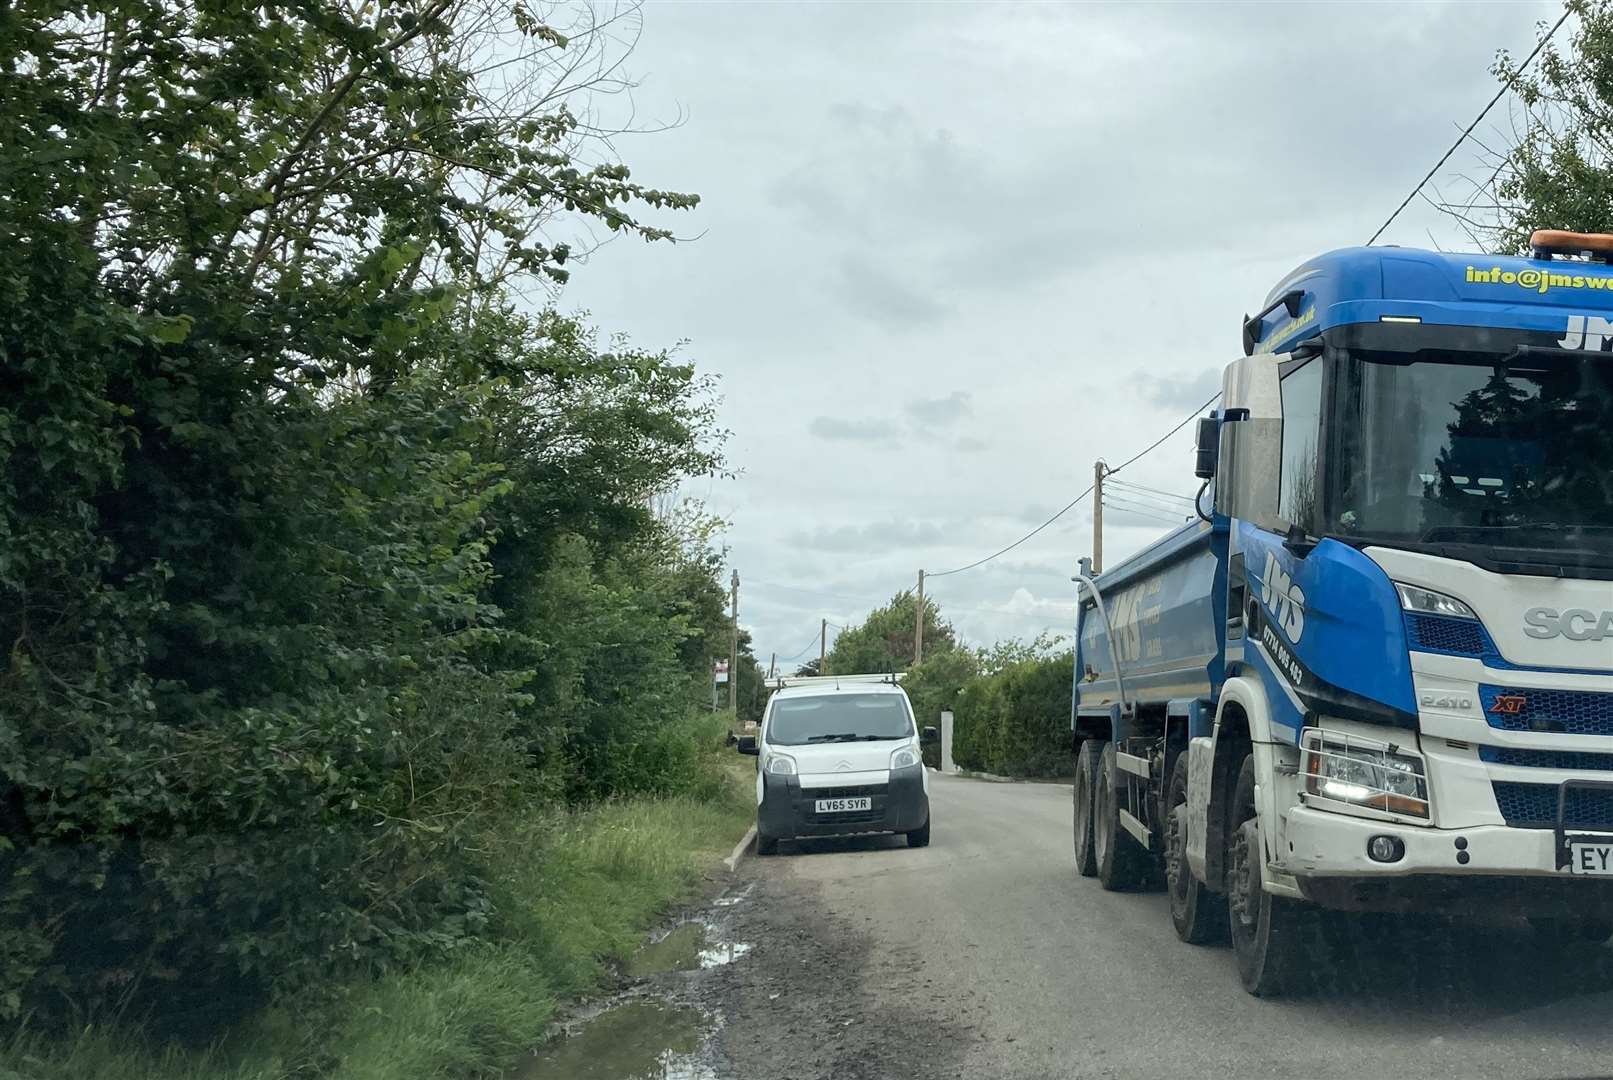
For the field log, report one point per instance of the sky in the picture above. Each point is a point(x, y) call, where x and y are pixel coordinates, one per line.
point(949, 255)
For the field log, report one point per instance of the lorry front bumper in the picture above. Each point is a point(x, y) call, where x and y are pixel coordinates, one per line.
point(788, 811)
point(1507, 871)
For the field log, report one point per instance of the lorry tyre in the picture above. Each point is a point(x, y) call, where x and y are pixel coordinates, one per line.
point(1121, 863)
point(1086, 785)
point(766, 845)
point(1566, 933)
point(1267, 931)
point(1198, 915)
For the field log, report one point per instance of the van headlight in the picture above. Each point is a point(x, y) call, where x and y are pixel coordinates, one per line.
point(779, 765)
point(905, 757)
point(1348, 769)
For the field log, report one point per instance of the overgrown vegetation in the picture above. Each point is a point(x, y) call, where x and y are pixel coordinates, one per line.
point(572, 887)
point(327, 563)
point(1013, 719)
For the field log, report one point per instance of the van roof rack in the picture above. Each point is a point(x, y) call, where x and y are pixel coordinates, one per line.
point(778, 682)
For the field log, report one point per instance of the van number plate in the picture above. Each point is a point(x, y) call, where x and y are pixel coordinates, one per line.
point(1592, 859)
point(835, 806)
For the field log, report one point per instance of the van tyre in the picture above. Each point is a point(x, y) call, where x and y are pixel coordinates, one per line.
point(766, 845)
point(1086, 785)
point(920, 837)
point(1121, 863)
point(1268, 932)
point(1199, 916)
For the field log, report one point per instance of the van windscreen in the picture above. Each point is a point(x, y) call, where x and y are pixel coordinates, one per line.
point(838, 718)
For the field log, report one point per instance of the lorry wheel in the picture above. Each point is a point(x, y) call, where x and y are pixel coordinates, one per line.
point(1566, 933)
point(766, 845)
point(1086, 784)
point(1198, 915)
point(1267, 931)
point(1121, 863)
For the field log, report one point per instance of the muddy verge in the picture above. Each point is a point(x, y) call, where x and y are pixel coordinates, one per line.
point(799, 1006)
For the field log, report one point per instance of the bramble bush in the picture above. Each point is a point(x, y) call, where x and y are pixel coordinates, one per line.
point(319, 556)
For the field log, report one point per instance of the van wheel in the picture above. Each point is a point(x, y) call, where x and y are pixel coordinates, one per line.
point(920, 837)
point(1086, 783)
point(1267, 931)
point(1121, 863)
point(766, 845)
point(1198, 915)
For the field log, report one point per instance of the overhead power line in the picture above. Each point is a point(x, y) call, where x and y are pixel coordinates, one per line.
point(1499, 94)
point(1071, 504)
point(803, 652)
point(1153, 491)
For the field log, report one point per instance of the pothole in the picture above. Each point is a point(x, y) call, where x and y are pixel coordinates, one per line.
point(636, 1041)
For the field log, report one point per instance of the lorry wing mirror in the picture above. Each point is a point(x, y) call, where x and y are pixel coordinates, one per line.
point(747, 745)
point(1209, 446)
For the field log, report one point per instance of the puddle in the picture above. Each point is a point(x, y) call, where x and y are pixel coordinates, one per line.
point(736, 898)
point(683, 948)
point(723, 952)
point(637, 1041)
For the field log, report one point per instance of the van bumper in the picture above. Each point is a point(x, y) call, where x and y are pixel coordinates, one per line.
point(789, 812)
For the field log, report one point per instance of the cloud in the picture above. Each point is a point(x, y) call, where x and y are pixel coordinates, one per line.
point(881, 297)
point(971, 445)
point(939, 412)
point(873, 538)
point(843, 429)
point(1184, 391)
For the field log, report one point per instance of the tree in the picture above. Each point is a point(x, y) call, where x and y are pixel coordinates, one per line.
point(884, 641)
point(1558, 172)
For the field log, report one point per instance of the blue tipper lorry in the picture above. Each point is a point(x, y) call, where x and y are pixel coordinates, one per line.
point(1377, 673)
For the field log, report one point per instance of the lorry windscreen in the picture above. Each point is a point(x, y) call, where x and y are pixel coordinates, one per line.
point(838, 718)
point(1461, 448)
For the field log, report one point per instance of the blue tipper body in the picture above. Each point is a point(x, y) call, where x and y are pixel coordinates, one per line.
point(1168, 602)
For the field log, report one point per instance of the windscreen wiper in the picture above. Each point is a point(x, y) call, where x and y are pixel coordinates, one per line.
point(843, 736)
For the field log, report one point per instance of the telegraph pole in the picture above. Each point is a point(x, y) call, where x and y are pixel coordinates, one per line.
point(772, 666)
point(918, 625)
point(733, 645)
point(823, 646)
point(1098, 470)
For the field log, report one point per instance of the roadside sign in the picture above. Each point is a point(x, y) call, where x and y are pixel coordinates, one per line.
point(719, 672)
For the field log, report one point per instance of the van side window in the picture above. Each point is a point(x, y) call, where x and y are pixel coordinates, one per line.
point(1302, 414)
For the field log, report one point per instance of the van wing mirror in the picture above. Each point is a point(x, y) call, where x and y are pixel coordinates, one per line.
point(929, 735)
point(747, 745)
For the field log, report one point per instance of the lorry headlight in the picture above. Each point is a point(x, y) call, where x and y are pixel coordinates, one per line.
point(905, 757)
point(1428, 602)
point(780, 765)
point(1361, 772)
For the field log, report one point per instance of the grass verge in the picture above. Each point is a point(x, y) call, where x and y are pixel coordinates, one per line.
point(574, 891)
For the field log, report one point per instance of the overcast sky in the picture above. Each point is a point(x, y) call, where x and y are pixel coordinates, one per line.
point(949, 255)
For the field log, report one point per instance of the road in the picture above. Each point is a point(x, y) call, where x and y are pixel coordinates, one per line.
point(984, 955)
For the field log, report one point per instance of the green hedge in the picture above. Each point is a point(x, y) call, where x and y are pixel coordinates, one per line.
point(1016, 720)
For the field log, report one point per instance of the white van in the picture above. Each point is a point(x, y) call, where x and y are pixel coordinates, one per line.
point(839, 756)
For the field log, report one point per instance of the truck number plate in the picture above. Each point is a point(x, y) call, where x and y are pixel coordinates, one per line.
point(835, 806)
point(1591, 859)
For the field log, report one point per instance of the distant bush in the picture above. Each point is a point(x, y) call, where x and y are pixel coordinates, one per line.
point(1015, 721)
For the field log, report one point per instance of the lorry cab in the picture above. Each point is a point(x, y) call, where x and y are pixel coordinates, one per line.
point(839, 756)
point(1382, 662)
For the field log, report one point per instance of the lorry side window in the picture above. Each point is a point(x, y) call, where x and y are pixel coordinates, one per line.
point(1302, 412)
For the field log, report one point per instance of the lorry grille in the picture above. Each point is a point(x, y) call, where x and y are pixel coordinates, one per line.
point(1546, 759)
point(1570, 712)
point(1437, 633)
point(1534, 806)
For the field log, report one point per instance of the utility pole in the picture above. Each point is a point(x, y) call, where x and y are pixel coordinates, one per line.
point(823, 646)
point(1098, 470)
point(733, 645)
point(772, 666)
point(918, 625)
